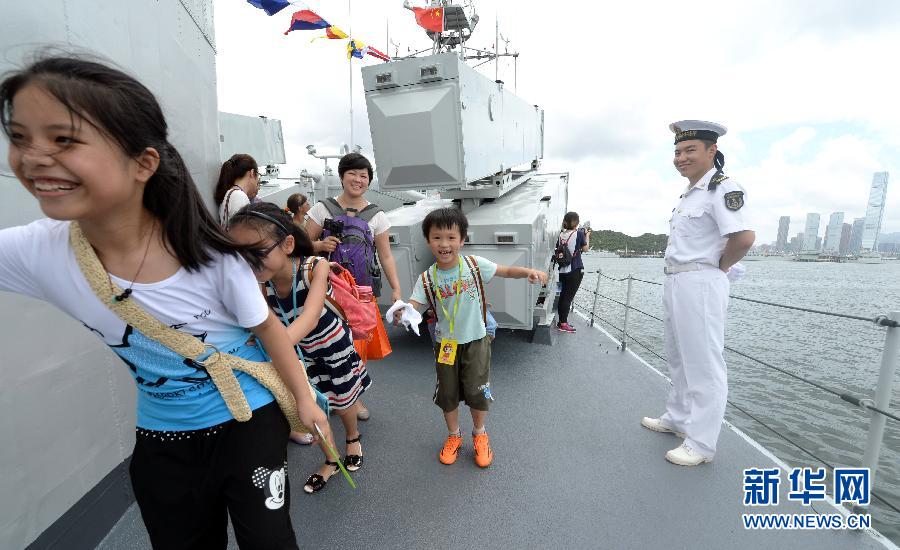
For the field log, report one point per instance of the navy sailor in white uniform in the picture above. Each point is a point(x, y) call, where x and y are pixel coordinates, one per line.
point(708, 234)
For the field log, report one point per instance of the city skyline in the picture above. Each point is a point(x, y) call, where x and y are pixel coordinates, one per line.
point(865, 229)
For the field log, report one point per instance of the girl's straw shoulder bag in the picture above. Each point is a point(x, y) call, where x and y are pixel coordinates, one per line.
point(220, 366)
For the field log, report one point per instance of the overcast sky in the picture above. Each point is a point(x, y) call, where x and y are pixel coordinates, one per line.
point(807, 89)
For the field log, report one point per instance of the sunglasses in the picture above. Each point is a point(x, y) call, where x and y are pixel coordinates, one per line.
point(268, 250)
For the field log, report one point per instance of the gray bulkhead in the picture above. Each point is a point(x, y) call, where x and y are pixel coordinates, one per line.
point(67, 402)
point(520, 229)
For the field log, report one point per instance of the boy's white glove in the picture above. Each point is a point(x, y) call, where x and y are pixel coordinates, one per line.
point(736, 272)
point(410, 318)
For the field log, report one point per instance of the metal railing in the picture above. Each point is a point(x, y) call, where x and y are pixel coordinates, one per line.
point(878, 406)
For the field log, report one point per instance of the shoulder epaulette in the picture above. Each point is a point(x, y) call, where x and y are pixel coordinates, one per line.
point(717, 178)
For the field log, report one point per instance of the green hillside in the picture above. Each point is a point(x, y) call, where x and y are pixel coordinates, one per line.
point(647, 243)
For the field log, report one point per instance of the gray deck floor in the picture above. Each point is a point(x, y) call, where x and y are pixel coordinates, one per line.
point(572, 466)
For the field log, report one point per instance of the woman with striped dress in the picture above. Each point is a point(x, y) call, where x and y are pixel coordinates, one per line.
point(298, 290)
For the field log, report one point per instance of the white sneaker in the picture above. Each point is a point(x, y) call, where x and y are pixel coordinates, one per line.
point(657, 425)
point(683, 455)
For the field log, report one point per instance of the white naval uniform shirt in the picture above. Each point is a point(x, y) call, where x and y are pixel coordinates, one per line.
point(701, 222)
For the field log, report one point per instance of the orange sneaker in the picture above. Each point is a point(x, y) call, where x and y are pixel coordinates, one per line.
point(451, 449)
point(483, 453)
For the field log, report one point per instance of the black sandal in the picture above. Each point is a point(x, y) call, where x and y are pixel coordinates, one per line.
point(316, 482)
point(353, 462)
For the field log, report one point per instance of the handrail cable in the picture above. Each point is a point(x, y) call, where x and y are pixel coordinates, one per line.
point(636, 341)
point(878, 320)
point(648, 282)
point(625, 305)
point(887, 503)
point(856, 401)
point(859, 402)
point(607, 276)
point(808, 310)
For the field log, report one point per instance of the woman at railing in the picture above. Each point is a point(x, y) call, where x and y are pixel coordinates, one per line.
point(571, 272)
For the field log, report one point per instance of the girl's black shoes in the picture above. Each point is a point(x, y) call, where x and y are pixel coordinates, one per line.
point(353, 462)
point(316, 482)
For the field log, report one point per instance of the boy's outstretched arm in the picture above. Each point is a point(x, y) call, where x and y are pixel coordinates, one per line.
point(516, 272)
point(399, 313)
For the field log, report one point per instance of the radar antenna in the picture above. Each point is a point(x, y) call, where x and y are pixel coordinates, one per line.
point(460, 20)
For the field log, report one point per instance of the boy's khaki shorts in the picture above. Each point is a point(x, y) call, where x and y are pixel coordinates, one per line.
point(468, 379)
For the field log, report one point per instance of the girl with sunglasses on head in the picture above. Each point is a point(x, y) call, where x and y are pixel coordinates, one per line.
point(90, 143)
point(298, 290)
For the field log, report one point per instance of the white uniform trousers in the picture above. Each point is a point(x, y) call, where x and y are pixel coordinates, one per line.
point(694, 305)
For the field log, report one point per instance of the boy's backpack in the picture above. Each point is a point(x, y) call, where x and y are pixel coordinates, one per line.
point(345, 301)
point(357, 249)
point(562, 256)
point(473, 267)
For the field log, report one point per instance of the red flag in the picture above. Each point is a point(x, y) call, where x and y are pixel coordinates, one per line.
point(375, 53)
point(431, 19)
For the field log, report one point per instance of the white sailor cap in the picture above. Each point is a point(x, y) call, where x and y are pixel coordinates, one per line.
point(697, 129)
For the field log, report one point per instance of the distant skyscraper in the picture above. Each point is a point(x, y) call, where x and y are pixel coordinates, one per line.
point(784, 225)
point(833, 233)
point(856, 234)
point(797, 243)
point(811, 233)
point(818, 244)
point(846, 231)
point(875, 211)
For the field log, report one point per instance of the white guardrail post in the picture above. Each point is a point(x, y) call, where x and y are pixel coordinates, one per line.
point(627, 311)
point(882, 396)
point(596, 295)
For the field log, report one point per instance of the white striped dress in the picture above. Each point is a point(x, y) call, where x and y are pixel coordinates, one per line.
point(332, 364)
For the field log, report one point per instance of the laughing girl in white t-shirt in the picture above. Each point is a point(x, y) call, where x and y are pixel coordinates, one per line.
point(90, 143)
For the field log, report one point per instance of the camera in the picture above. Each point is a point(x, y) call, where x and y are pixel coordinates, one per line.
point(333, 226)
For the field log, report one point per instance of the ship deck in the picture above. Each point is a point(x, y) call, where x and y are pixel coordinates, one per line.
point(572, 468)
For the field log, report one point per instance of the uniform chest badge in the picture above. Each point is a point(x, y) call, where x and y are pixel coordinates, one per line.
point(734, 200)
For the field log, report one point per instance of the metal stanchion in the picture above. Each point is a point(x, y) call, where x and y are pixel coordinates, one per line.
point(596, 295)
point(882, 396)
point(627, 311)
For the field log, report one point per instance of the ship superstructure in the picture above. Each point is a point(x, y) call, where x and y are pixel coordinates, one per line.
point(441, 127)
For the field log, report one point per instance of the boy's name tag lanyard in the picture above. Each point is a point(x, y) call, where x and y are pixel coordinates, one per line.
point(447, 351)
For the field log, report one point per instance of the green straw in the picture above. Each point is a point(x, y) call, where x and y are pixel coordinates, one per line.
point(335, 457)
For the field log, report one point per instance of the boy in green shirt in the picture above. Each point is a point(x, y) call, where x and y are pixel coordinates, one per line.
point(454, 288)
